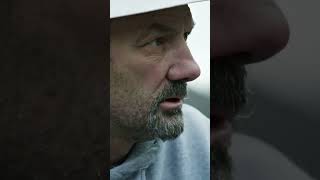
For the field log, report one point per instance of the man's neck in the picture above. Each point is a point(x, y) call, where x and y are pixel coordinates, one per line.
point(119, 149)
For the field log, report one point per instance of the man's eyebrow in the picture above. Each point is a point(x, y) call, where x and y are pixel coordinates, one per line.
point(165, 28)
point(160, 28)
point(155, 27)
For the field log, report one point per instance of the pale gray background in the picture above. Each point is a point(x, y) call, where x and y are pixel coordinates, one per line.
point(199, 44)
point(286, 88)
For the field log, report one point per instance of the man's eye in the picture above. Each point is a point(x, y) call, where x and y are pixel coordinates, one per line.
point(156, 42)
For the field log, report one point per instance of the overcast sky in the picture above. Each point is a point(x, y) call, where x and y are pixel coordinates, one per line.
point(199, 43)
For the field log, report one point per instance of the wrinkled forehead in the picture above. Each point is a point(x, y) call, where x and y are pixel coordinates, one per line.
point(174, 17)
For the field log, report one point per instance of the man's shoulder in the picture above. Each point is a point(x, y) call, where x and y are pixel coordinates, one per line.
point(193, 116)
point(255, 159)
point(196, 124)
point(195, 138)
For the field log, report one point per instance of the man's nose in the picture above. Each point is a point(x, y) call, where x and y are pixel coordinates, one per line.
point(247, 31)
point(184, 67)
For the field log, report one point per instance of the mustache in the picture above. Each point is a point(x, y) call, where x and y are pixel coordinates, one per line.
point(173, 89)
point(228, 90)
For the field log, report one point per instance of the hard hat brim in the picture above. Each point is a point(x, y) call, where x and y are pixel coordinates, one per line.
point(120, 8)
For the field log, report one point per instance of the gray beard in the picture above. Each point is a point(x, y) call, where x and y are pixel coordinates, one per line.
point(167, 125)
point(229, 93)
point(150, 122)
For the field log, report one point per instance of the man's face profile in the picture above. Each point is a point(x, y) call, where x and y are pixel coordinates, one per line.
point(244, 32)
point(149, 67)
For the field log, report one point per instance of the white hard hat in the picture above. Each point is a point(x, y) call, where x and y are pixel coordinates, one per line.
point(119, 8)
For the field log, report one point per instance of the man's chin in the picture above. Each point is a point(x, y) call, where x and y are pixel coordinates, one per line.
point(166, 125)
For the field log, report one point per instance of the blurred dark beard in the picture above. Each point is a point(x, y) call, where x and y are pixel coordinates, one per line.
point(167, 125)
point(228, 93)
point(221, 163)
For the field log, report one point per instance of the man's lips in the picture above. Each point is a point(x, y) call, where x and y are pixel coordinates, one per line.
point(171, 103)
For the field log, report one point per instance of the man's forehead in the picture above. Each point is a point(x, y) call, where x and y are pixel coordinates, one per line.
point(172, 16)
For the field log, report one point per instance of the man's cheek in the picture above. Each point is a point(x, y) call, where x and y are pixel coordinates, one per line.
point(152, 77)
